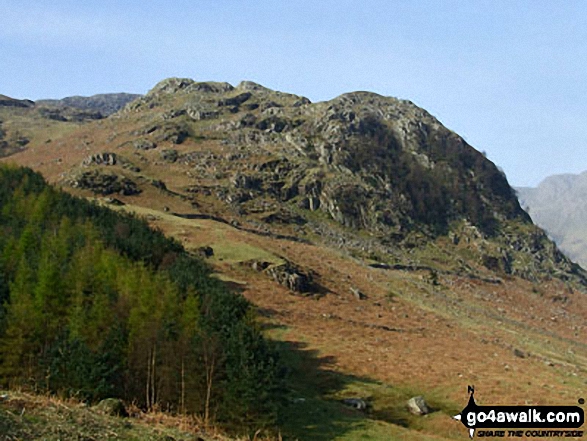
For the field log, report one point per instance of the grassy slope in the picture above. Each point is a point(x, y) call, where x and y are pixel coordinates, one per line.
point(439, 338)
point(409, 337)
point(32, 417)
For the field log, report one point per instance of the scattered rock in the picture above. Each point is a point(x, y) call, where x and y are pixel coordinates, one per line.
point(157, 183)
point(357, 403)
point(200, 114)
point(358, 294)
point(112, 406)
point(174, 113)
point(259, 265)
point(244, 181)
point(144, 144)
point(519, 353)
point(418, 406)
point(206, 251)
point(175, 132)
point(169, 155)
point(114, 201)
point(100, 159)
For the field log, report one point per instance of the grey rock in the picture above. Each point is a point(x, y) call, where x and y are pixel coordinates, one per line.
point(235, 100)
point(206, 251)
point(112, 406)
point(144, 144)
point(292, 277)
point(101, 159)
point(169, 155)
point(418, 406)
point(358, 294)
point(157, 183)
point(357, 403)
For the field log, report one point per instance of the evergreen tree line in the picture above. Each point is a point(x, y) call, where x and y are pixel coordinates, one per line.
point(95, 304)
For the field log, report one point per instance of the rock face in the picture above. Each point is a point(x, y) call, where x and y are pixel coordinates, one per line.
point(369, 163)
point(362, 172)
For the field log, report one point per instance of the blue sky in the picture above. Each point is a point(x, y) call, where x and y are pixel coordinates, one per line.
point(508, 76)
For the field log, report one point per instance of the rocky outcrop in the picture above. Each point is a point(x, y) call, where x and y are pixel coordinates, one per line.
point(105, 184)
point(361, 171)
point(100, 159)
point(144, 144)
point(292, 277)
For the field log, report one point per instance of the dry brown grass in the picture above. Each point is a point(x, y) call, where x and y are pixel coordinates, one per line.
point(408, 334)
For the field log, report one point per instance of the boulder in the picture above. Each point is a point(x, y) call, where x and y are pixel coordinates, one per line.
point(112, 406)
point(244, 181)
point(114, 201)
point(157, 183)
point(418, 406)
point(258, 265)
point(357, 403)
point(206, 251)
point(170, 155)
point(144, 144)
point(292, 277)
point(358, 294)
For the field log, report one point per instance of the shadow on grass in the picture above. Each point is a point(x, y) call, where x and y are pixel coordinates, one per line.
point(313, 408)
point(308, 411)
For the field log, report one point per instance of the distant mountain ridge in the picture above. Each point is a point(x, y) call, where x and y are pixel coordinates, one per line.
point(559, 205)
point(105, 103)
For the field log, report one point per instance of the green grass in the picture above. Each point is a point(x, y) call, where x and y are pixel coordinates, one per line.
point(236, 252)
point(313, 408)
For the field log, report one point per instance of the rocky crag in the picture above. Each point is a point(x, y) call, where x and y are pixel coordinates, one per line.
point(375, 176)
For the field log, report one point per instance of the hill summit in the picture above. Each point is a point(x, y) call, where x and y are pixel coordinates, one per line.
point(376, 176)
point(386, 258)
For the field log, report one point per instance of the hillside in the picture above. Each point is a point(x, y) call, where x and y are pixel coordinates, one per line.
point(559, 205)
point(94, 304)
point(386, 257)
point(25, 416)
point(105, 103)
